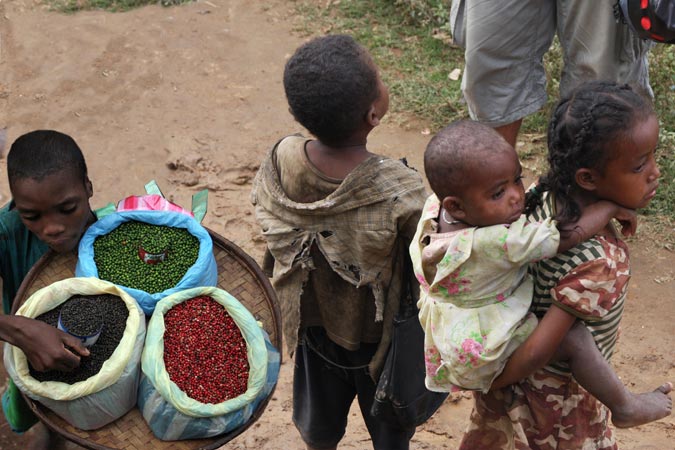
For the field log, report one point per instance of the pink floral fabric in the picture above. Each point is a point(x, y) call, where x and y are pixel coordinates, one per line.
point(549, 410)
point(475, 295)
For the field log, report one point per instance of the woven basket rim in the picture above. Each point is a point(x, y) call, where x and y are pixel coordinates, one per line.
point(264, 285)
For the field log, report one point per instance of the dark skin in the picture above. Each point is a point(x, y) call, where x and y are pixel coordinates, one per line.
point(336, 161)
point(629, 179)
point(493, 194)
point(544, 343)
point(510, 131)
point(46, 347)
point(56, 209)
point(339, 159)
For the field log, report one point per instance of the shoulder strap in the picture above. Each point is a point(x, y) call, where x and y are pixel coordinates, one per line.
point(408, 306)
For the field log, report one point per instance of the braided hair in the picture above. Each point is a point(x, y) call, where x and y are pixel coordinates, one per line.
point(582, 129)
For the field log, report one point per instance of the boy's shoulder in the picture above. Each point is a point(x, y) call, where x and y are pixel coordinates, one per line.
point(14, 236)
point(9, 219)
point(390, 173)
point(379, 172)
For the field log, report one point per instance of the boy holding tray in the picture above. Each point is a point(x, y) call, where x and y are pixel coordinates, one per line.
point(49, 209)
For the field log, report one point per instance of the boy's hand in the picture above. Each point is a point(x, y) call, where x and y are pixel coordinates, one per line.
point(48, 348)
point(627, 218)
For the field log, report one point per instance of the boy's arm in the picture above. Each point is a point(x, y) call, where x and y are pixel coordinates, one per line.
point(538, 348)
point(594, 218)
point(44, 345)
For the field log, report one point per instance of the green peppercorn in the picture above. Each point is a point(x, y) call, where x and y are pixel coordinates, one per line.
point(117, 259)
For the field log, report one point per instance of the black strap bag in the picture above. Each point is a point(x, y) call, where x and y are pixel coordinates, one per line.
point(401, 398)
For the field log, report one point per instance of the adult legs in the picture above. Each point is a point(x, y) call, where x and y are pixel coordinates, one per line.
point(504, 78)
point(596, 47)
point(510, 131)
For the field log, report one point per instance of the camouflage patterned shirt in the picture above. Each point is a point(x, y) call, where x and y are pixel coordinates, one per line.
point(549, 410)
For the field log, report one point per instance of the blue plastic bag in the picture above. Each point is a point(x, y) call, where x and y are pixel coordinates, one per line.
point(204, 272)
point(169, 412)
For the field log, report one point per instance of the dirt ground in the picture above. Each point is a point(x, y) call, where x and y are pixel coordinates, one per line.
point(198, 87)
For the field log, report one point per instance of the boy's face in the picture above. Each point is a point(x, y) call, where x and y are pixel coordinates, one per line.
point(55, 208)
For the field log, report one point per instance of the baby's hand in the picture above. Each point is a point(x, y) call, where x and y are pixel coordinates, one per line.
point(627, 218)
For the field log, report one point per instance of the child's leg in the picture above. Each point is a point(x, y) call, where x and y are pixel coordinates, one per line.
point(594, 374)
point(322, 396)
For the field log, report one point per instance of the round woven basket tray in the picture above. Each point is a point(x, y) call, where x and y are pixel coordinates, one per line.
point(238, 274)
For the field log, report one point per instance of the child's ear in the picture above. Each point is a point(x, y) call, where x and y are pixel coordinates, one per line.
point(586, 178)
point(372, 118)
point(454, 207)
point(88, 187)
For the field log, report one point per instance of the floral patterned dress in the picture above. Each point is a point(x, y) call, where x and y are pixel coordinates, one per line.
point(475, 295)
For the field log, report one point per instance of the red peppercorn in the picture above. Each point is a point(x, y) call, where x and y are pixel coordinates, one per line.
point(205, 353)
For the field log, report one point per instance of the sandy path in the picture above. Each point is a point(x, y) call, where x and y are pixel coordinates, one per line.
point(199, 86)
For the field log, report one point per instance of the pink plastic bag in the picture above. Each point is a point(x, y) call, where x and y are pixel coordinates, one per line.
point(152, 202)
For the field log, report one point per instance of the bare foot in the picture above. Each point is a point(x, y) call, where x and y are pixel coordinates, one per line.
point(644, 408)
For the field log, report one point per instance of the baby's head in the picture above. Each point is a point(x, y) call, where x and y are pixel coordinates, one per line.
point(334, 89)
point(601, 143)
point(51, 190)
point(475, 174)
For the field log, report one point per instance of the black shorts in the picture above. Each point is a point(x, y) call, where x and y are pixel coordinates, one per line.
point(323, 394)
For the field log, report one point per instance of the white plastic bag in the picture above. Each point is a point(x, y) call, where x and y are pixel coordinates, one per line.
point(102, 398)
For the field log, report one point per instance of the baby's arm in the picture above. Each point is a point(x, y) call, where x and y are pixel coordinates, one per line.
point(593, 219)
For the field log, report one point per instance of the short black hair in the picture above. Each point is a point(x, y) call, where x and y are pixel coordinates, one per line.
point(454, 152)
point(330, 83)
point(40, 153)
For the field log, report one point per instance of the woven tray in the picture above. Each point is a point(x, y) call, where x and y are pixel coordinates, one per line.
point(238, 274)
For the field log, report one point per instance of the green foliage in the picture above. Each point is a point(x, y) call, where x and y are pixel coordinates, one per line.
point(424, 12)
point(71, 6)
point(662, 80)
point(664, 202)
